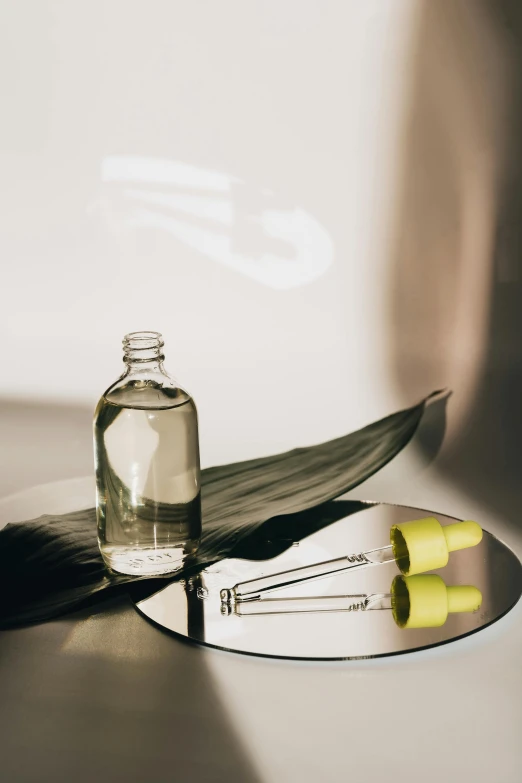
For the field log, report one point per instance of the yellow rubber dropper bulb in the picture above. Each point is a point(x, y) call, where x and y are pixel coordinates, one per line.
point(463, 598)
point(462, 535)
point(424, 544)
point(424, 600)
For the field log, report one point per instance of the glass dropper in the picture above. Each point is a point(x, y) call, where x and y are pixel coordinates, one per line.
point(316, 603)
point(255, 588)
point(416, 546)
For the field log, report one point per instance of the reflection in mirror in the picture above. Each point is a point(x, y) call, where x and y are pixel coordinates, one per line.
point(422, 601)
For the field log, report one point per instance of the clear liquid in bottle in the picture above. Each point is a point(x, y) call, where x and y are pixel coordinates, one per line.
point(147, 469)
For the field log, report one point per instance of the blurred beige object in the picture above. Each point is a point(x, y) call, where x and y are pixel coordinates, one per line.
point(454, 146)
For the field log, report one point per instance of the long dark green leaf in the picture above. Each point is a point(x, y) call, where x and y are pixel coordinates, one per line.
point(52, 565)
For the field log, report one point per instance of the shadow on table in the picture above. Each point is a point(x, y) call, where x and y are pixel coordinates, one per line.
point(104, 695)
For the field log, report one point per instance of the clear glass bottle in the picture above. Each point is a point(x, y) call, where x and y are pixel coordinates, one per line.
point(147, 465)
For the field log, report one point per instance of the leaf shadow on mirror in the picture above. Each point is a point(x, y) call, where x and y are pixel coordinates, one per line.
point(276, 535)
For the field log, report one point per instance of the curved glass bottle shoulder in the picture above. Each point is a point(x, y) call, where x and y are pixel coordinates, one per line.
point(147, 473)
point(145, 388)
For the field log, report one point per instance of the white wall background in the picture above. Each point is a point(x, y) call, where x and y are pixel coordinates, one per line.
point(227, 173)
point(298, 106)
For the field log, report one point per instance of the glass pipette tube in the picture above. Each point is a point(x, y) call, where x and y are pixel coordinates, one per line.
point(322, 603)
point(256, 588)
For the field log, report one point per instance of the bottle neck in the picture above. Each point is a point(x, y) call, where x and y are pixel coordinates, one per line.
point(143, 352)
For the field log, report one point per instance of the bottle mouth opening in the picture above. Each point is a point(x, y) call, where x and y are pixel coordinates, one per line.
point(143, 346)
point(140, 341)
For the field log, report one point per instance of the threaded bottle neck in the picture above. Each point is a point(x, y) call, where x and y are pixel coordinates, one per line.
point(143, 347)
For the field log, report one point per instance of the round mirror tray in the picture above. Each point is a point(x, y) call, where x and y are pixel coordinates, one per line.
point(319, 629)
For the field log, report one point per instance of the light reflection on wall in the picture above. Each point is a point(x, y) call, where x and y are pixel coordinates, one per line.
point(236, 225)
